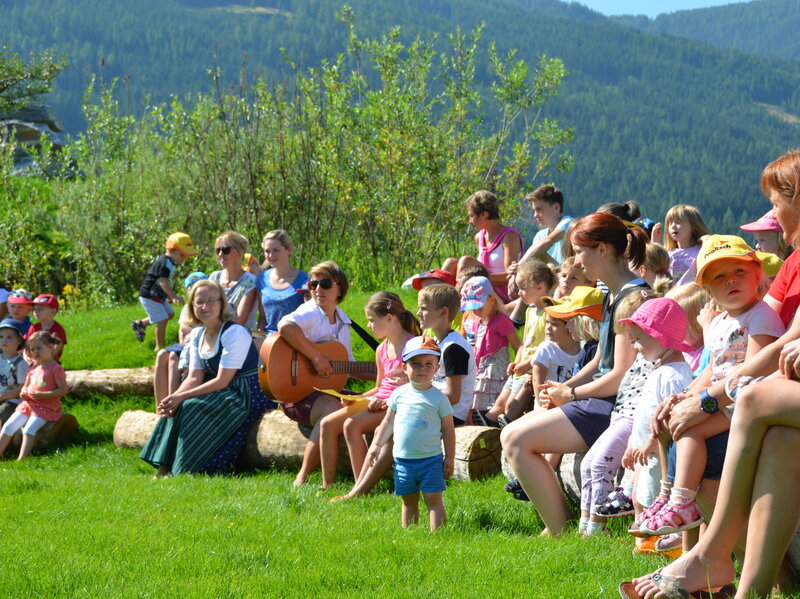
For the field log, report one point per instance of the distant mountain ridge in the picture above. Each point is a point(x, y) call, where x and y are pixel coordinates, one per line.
point(658, 119)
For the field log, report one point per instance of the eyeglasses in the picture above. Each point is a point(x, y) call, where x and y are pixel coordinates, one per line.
point(324, 283)
point(225, 249)
point(202, 303)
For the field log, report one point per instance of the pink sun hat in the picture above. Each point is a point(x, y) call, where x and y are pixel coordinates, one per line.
point(664, 320)
point(768, 222)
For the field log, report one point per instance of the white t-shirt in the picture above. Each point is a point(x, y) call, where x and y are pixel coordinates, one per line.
point(235, 340)
point(660, 384)
point(559, 363)
point(556, 251)
point(630, 388)
point(316, 327)
point(457, 359)
point(727, 336)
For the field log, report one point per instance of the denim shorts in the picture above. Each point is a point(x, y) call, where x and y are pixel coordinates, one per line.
point(715, 446)
point(515, 383)
point(424, 474)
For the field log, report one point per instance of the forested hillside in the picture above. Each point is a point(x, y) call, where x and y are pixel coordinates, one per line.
point(765, 27)
point(658, 119)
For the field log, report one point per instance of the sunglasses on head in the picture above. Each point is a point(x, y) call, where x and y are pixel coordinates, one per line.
point(324, 283)
point(225, 249)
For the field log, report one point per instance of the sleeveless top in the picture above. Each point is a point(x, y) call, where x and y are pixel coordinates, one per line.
point(492, 257)
point(211, 365)
point(392, 369)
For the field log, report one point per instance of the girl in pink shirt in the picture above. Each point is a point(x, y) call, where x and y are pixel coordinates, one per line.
point(41, 394)
point(494, 333)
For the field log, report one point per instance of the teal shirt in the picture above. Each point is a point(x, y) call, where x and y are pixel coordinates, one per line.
point(418, 421)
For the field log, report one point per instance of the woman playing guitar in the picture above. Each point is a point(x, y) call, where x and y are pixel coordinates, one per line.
point(317, 321)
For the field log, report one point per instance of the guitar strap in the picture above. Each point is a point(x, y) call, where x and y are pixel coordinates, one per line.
point(368, 339)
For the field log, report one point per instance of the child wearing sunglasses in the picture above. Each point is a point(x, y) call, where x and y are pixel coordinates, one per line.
point(156, 291)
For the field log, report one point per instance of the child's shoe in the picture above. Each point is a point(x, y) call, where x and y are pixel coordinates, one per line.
point(673, 518)
point(636, 526)
point(138, 329)
point(515, 488)
point(670, 545)
point(617, 505)
point(645, 545)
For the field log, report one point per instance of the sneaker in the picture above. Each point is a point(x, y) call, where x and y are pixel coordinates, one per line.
point(673, 518)
point(617, 505)
point(515, 488)
point(503, 420)
point(138, 329)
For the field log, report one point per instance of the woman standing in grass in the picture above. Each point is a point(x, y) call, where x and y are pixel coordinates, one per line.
point(204, 423)
point(277, 287)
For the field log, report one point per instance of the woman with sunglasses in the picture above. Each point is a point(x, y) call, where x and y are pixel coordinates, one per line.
point(279, 286)
point(317, 321)
point(204, 423)
point(239, 285)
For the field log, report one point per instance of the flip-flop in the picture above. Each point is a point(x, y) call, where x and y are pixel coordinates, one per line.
point(673, 590)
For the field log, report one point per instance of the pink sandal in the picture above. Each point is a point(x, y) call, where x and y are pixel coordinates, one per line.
point(673, 518)
point(652, 510)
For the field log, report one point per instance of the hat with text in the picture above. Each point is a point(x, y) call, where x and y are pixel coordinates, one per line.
point(717, 247)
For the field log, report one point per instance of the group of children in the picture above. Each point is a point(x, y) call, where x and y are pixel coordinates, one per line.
point(32, 381)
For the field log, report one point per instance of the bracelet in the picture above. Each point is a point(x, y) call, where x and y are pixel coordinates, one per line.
point(572, 394)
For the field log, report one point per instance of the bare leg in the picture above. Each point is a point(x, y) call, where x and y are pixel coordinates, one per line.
point(324, 405)
point(436, 513)
point(370, 476)
point(174, 372)
point(161, 333)
point(161, 376)
point(524, 443)
point(518, 404)
point(410, 512)
point(691, 452)
point(775, 512)
point(770, 403)
point(450, 265)
point(5, 441)
point(354, 430)
point(331, 427)
point(28, 443)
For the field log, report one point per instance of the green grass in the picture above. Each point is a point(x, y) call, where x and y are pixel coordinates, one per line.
point(86, 520)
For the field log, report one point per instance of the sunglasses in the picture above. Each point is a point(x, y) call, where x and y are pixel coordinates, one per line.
point(225, 249)
point(324, 283)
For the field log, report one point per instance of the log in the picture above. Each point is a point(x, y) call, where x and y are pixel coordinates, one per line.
point(60, 430)
point(478, 452)
point(277, 442)
point(111, 382)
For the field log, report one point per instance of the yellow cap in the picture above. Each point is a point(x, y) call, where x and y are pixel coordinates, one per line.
point(770, 263)
point(582, 300)
point(716, 247)
point(181, 242)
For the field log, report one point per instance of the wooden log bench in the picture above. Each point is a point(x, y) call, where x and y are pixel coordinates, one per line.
point(277, 442)
point(60, 430)
point(111, 382)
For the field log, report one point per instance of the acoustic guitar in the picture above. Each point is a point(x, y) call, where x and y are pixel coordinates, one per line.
point(287, 375)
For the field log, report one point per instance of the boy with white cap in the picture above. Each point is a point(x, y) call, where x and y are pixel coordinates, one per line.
point(420, 417)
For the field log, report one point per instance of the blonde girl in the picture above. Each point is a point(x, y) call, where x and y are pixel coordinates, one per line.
point(731, 273)
point(494, 333)
point(656, 265)
point(41, 394)
point(389, 320)
point(685, 230)
point(534, 280)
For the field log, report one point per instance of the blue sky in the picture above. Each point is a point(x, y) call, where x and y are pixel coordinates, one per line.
point(651, 8)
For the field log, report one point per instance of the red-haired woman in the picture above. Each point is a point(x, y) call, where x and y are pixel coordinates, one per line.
point(581, 407)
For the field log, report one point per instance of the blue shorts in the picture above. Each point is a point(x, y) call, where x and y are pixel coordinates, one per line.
point(716, 447)
point(424, 474)
point(515, 383)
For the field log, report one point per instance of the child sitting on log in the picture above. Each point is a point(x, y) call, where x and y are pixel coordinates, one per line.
point(13, 367)
point(41, 395)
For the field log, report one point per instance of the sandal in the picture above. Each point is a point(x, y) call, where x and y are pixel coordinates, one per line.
point(673, 518)
point(617, 505)
point(672, 590)
point(636, 526)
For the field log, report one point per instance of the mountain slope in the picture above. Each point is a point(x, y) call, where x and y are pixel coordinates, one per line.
point(658, 119)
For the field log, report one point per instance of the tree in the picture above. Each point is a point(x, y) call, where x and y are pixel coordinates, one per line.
point(20, 81)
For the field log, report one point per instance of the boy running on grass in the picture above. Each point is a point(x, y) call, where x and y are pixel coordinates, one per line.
point(420, 417)
point(156, 291)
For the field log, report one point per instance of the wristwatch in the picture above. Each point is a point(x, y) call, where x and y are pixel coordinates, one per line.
point(708, 404)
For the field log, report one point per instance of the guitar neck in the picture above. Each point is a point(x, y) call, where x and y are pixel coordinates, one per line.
point(345, 367)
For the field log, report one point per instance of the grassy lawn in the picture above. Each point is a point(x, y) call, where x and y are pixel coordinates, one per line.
point(86, 520)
